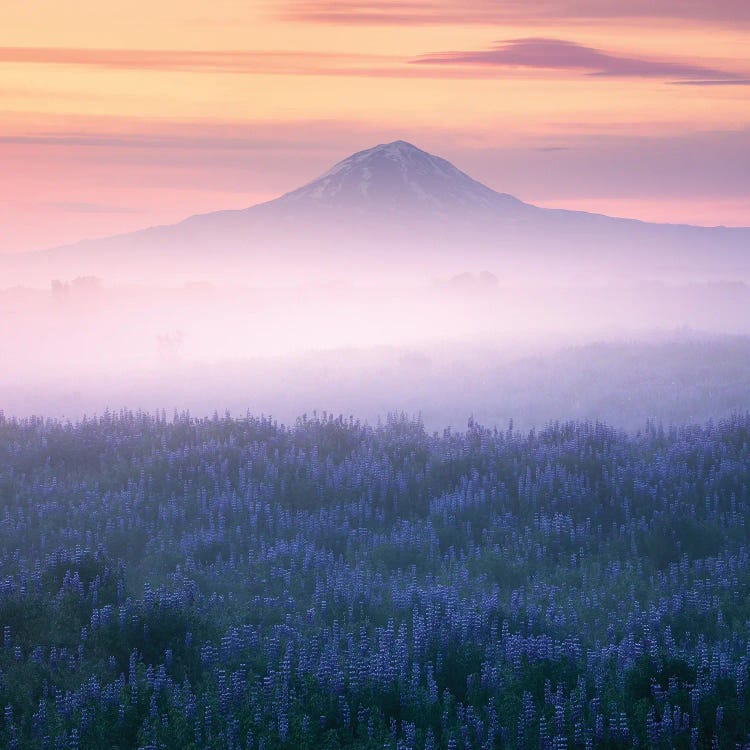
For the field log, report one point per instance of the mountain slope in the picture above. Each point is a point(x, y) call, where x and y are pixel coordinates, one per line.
point(395, 209)
point(400, 178)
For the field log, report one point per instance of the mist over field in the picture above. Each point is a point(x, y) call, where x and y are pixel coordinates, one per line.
point(460, 346)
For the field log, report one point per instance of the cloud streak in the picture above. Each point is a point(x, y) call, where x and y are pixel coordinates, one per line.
point(560, 54)
point(139, 141)
point(201, 61)
point(721, 82)
point(433, 12)
point(529, 53)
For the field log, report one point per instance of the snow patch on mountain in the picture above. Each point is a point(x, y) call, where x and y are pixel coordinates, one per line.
point(399, 177)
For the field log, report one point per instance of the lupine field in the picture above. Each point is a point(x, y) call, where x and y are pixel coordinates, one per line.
point(233, 583)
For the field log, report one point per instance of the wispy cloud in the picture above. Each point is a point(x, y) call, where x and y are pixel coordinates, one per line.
point(720, 82)
point(421, 12)
point(277, 141)
point(560, 54)
point(530, 53)
point(205, 61)
point(140, 141)
point(229, 62)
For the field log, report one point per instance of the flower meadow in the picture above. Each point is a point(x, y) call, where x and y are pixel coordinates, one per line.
point(234, 583)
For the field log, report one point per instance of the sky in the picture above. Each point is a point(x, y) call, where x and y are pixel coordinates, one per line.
point(121, 115)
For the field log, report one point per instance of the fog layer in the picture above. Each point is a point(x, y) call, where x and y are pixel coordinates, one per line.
point(449, 349)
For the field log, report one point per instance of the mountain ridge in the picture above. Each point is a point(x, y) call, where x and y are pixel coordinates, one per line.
point(395, 203)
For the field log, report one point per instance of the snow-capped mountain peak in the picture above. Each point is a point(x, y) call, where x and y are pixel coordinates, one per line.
point(389, 206)
point(400, 177)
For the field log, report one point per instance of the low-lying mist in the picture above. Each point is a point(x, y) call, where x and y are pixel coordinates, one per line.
point(447, 348)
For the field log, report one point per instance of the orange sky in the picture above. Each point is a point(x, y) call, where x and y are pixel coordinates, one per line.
point(119, 115)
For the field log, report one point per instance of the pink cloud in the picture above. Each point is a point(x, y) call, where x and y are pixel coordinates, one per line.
point(715, 82)
point(231, 61)
point(516, 53)
point(508, 11)
point(560, 54)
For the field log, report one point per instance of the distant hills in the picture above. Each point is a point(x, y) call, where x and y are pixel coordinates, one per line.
point(392, 212)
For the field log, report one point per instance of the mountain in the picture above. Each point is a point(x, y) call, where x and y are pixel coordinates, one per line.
point(399, 179)
point(397, 211)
